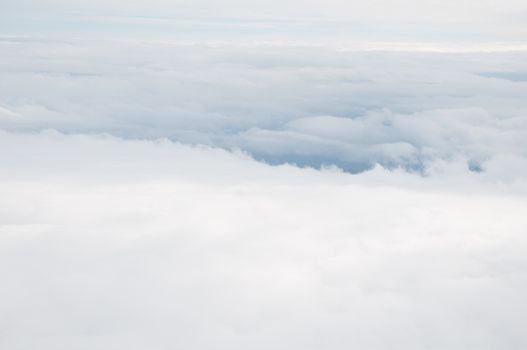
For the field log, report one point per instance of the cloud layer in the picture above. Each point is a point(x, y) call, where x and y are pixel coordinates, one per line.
point(348, 106)
point(305, 20)
point(263, 174)
point(109, 243)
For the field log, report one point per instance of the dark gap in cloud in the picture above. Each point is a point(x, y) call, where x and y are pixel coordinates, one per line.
point(475, 166)
point(312, 161)
point(349, 166)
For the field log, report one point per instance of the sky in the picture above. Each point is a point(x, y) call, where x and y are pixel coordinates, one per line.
point(306, 20)
point(263, 174)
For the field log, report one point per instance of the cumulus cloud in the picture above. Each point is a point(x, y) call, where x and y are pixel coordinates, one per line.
point(149, 244)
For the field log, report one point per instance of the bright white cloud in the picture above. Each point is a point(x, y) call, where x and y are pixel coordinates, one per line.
point(107, 244)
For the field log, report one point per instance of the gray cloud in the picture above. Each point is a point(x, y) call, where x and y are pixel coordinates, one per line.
point(282, 103)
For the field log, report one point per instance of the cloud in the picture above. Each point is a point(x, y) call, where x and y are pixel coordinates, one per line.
point(112, 243)
point(392, 140)
point(262, 174)
point(511, 76)
point(282, 103)
point(7, 114)
point(399, 11)
point(464, 23)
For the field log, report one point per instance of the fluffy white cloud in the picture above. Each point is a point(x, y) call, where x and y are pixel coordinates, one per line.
point(106, 243)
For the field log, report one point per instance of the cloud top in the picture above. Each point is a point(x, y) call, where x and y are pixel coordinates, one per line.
point(139, 244)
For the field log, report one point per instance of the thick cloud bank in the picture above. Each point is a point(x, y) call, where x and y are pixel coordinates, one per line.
point(107, 243)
